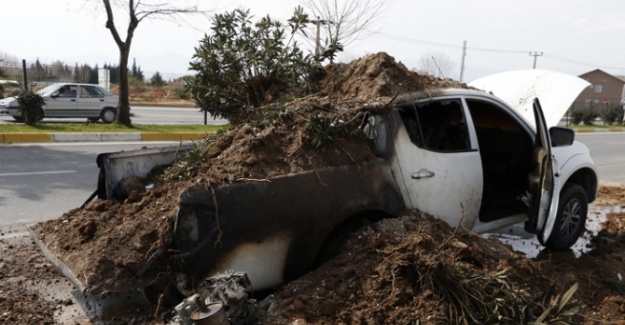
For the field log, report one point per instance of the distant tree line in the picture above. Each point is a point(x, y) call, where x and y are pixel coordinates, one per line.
point(59, 71)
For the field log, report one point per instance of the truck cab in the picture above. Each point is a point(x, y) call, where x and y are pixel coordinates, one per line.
point(469, 158)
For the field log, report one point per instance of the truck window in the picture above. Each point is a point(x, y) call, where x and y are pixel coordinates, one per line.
point(437, 125)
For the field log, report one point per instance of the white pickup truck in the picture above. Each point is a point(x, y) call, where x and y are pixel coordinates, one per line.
point(465, 156)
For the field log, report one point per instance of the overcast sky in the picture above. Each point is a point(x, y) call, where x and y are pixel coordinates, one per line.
point(573, 36)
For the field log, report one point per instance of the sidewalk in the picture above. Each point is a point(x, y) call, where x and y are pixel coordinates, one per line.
point(97, 137)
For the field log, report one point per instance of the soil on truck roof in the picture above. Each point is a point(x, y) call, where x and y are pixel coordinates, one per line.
point(412, 269)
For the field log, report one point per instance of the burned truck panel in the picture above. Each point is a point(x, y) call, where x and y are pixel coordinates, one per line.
point(117, 166)
point(275, 229)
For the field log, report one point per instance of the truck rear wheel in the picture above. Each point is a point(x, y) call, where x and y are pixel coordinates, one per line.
point(571, 218)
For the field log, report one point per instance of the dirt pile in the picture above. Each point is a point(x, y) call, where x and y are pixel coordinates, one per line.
point(414, 270)
point(390, 272)
point(393, 272)
point(279, 141)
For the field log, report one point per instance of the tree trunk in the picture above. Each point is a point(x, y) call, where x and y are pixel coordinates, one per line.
point(123, 108)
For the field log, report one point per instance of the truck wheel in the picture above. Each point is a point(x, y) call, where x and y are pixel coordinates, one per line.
point(571, 218)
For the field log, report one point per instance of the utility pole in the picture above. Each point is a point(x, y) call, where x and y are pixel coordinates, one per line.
point(535, 55)
point(318, 22)
point(464, 53)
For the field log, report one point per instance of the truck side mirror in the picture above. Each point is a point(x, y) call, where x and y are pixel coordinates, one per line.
point(561, 137)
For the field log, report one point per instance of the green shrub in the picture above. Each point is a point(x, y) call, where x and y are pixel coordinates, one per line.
point(31, 107)
point(576, 116)
point(244, 64)
point(611, 115)
point(589, 115)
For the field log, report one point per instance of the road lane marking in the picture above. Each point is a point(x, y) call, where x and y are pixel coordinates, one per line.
point(611, 166)
point(52, 172)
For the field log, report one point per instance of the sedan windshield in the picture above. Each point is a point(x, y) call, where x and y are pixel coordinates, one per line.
point(49, 90)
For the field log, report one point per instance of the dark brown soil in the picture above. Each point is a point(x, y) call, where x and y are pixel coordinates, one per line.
point(379, 275)
point(393, 272)
point(277, 142)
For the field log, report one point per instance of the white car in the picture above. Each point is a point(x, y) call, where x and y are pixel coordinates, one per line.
point(70, 100)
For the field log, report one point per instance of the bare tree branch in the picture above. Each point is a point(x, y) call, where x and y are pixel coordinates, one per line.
point(137, 11)
point(436, 64)
point(345, 21)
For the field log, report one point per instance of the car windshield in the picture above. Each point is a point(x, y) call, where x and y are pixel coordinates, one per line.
point(49, 90)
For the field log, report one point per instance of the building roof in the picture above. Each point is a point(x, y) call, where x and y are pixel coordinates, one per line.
point(619, 78)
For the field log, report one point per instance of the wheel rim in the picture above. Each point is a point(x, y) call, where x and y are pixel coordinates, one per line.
point(571, 217)
point(108, 116)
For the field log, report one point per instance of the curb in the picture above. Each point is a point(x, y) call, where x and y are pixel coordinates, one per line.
point(598, 130)
point(8, 138)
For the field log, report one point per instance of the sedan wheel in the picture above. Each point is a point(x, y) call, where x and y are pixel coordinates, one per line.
point(571, 218)
point(108, 115)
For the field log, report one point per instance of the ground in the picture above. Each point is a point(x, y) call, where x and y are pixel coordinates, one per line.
point(388, 273)
point(412, 269)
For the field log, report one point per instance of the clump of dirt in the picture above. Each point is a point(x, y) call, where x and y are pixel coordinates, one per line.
point(378, 76)
point(414, 269)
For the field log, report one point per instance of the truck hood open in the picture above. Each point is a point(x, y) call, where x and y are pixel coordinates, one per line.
point(555, 90)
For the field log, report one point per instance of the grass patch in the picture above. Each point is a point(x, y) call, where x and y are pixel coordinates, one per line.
point(592, 128)
point(106, 128)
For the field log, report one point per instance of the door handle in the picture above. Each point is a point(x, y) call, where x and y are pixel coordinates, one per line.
point(73, 100)
point(423, 173)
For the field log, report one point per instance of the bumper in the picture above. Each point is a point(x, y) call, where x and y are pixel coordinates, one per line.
point(13, 111)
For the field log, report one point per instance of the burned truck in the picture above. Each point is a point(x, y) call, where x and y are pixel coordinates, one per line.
point(466, 156)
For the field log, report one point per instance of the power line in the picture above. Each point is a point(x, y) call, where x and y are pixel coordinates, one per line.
point(482, 49)
point(558, 58)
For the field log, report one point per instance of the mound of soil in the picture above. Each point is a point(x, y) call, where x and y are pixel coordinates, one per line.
point(381, 275)
point(393, 272)
point(279, 142)
point(398, 271)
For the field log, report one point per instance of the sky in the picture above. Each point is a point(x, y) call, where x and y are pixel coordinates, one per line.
point(570, 36)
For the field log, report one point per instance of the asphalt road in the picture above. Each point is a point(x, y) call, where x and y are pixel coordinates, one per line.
point(608, 151)
point(42, 181)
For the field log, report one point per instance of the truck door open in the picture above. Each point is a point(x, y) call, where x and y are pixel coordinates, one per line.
point(544, 182)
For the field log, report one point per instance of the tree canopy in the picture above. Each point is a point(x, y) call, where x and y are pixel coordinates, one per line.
point(244, 64)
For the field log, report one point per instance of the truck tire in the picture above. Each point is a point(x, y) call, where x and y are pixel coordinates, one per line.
point(571, 218)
